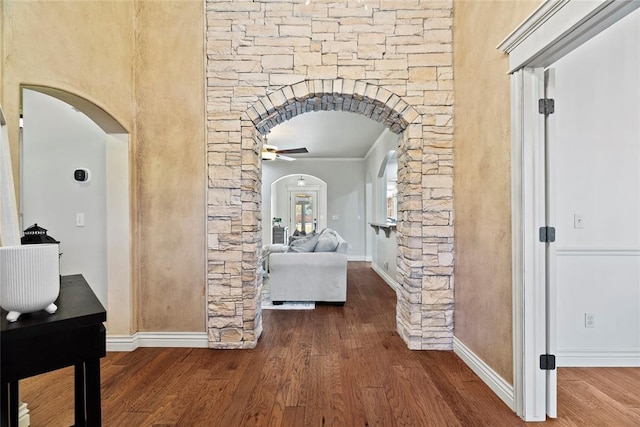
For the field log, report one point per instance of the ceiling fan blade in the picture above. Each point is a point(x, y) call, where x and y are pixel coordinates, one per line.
point(268, 155)
point(287, 158)
point(293, 151)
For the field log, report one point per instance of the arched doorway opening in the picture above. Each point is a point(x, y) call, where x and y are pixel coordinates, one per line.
point(63, 132)
point(280, 203)
point(425, 242)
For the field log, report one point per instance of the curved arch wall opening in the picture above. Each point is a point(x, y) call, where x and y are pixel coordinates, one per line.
point(278, 203)
point(90, 218)
point(314, 57)
point(424, 229)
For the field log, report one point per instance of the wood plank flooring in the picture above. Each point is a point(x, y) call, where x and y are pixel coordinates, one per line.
point(332, 366)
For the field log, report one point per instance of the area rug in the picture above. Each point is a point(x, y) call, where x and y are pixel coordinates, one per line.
point(287, 305)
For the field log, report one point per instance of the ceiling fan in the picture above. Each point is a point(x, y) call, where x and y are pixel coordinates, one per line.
point(271, 152)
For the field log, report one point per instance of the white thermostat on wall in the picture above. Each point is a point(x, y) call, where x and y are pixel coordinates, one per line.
point(82, 175)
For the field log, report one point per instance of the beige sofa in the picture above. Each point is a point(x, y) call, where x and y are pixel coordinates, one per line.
point(310, 275)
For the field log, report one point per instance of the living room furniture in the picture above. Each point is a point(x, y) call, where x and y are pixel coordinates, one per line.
point(279, 235)
point(267, 251)
point(309, 276)
point(41, 342)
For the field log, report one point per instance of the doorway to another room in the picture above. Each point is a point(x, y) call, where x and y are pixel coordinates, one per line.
point(593, 201)
point(576, 196)
point(427, 292)
point(296, 204)
point(90, 216)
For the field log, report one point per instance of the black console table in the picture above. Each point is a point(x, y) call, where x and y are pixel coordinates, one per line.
point(40, 342)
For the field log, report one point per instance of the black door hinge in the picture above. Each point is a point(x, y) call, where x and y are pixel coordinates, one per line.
point(546, 106)
point(547, 234)
point(547, 362)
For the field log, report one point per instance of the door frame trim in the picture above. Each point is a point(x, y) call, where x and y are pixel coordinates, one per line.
point(556, 28)
point(528, 269)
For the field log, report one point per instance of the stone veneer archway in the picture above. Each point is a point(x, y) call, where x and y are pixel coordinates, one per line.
point(425, 234)
point(269, 60)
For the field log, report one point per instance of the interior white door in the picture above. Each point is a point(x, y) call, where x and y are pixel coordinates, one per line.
point(550, 249)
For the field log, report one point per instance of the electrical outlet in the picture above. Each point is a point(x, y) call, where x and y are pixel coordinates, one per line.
point(79, 220)
point(589, 320)
point(578, 221)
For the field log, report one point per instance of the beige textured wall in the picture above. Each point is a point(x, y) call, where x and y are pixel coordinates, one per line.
point(46, 43)
point(482, 180)
point(142, 62)
point(154, 86)
point(171, 152)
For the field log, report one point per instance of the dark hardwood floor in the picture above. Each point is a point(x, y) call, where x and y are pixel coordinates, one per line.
point(332, 366)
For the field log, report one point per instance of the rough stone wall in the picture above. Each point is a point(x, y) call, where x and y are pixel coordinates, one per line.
point(268, 61)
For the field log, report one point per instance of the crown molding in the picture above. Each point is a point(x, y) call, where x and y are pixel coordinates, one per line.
point(541, 15)
point(559, 26)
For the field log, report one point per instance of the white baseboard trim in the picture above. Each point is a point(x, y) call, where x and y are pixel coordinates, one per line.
point(388, 279)
point(590, 359)
point(500, 387)
point(157, 339)
point(357, 258)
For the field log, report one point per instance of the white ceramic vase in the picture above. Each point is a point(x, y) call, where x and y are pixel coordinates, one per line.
point(29, 279)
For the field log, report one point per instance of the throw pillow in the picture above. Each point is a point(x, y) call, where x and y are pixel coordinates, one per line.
point(293, 239)
point(299, 236)
point(306, 245)
point(327, 242)
point(297, 240)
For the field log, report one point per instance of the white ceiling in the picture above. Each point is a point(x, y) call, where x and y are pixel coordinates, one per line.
point(327, 134)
